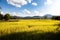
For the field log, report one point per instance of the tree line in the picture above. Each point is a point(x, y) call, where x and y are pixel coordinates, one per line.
point(5, 17)
point(8, 16)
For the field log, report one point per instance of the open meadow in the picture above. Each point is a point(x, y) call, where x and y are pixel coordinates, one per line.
point(29, 19)
point(29, 27)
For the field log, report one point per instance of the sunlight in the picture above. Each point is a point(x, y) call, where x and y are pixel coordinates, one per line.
point(55, 8)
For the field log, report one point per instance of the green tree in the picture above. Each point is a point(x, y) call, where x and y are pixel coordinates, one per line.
point(7, 16)
point(56, 17)
point(1, 16)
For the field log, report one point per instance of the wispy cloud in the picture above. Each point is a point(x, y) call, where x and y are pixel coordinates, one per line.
point(25, 11)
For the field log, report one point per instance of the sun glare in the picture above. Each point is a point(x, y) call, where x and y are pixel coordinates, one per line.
point(55, 8)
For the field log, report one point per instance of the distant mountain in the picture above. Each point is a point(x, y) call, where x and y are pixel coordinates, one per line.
point(34, 17)
point(48, 16)
point(38, 17)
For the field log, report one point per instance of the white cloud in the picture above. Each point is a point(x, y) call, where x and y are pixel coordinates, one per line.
point(34, 3)
point(48, 2)
point(18, 3)
point(54, 8)
point(26, 12)
point(38, 13)
point(29, 13)
point(29, 1)
point(16, 14)
point(13, 14)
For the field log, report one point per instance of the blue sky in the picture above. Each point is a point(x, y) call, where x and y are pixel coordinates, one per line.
point(8, 7)
point(30, 7)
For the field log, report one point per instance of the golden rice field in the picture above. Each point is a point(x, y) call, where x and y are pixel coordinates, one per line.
point(28, 25)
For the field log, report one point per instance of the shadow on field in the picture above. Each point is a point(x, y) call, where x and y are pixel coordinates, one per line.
point(31, 36)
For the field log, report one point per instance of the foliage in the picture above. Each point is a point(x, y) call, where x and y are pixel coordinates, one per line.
point(56, 17)
point(7, 16)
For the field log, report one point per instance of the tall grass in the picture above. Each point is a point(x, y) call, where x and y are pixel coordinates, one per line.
point(30, 30)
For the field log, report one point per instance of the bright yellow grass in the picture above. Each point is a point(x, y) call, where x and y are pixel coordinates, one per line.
point(28, 25)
